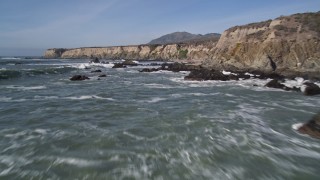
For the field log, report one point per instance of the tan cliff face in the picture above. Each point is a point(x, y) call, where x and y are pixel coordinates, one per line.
point(140, 52)
point(290, 42)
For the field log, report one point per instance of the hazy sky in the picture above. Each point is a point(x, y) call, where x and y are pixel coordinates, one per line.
point(27, 27)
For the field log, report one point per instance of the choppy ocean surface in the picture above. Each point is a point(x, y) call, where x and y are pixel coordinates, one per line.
point(132, 125)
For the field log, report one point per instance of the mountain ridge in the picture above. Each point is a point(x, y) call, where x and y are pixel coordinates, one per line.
point(185, 37)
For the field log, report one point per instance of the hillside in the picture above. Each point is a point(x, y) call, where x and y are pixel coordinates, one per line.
point(290, 43)
point(185, 37)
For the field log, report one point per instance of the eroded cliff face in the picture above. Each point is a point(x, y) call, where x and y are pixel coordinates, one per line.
point(286, 43)
point(289, 43)
point(54, 53)
point(181, 52)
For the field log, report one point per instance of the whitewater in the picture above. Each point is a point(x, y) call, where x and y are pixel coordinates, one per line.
point(133, 125)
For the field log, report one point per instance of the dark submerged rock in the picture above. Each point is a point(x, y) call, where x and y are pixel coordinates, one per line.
point(206, 74)
point(95, 60)
point(102, 75)
point(149, 70)
point(311, 89)
point(96, 71)
point(265, 75)
point(243, 76)
point(275, 83)
point(79, 78)
point(177, 67)
point(119, 65)
point(129, 63)
point(312, 128)
point(174, 67)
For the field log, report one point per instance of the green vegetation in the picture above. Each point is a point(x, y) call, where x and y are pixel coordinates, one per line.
point(153, 46)
point(238, 45)
point(251, 25)
point(182, 54)
point(285, 28)
point(257, 35)
point(281, 28)
point(309, 20)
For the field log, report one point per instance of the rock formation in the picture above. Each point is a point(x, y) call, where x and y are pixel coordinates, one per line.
point(312, 128)
point(79, 78)
point(311, 89)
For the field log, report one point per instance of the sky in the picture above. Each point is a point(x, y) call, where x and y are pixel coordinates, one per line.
point(28, 27)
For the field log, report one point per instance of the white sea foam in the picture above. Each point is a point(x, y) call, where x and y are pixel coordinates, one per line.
point(155, 100)
point(5, 99)
point(76, 162)
point(6, 171)
point(41, 131)
point(25, 88)
point(297, 82)
point(158, 86)
point(9, 99)
point(296, 126)
point(10, 58)
point(134, 136)
point(252, 83)
point(46, 97)
point(88, 65)
point(184, 72)
point(228, 73)
point(250, 74)
point(88, 97)
point(197, 94)
point(110, 65)
point(82, 66)
point(176, 95)
point(133, 71)
point(303, 88)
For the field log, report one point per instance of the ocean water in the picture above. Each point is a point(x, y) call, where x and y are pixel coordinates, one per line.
point(132, 125)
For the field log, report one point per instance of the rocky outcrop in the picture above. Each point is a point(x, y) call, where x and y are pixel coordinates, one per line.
point(129, 63)
point(174, 67)
point(206, 74)
point(311, 89)
point(119, 65)
point(79, 78)
point(275, 83)
point(312, 128)
point(95, 60)
point(54, 53)
point(102, 75)
point(149, 70)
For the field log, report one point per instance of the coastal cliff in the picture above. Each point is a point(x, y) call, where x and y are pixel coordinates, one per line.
point(139, 52)
point(289, 42)
point(286, 43)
